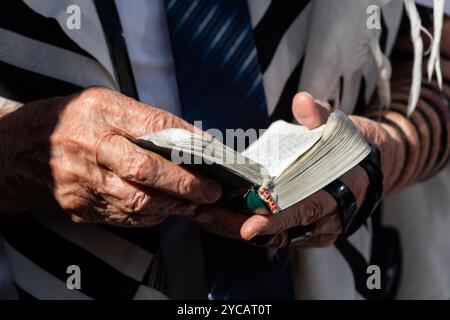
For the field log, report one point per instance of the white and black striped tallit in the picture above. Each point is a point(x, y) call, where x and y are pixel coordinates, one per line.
point(41, 59)
point(118, 262)
point(282, 33)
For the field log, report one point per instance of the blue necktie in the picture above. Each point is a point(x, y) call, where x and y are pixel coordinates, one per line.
point(220, 83)
point(218, 74)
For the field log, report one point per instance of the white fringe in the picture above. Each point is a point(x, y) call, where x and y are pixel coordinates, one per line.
point(434, 61)
point(384, 71)
point(434, 64)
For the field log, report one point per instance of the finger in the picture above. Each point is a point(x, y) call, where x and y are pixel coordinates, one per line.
point(330, 224)
point(303, 213)
point(131, 198)
point(308, 211)
point(130, 117)
point(220, 221)
point(126, 204)
point(77, 219)
point(308, 111)
point(254, 226)
point(135, 164)
point(325, 233)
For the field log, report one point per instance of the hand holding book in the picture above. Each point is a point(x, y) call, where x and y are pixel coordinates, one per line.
point(319, 208)
point(281, 173)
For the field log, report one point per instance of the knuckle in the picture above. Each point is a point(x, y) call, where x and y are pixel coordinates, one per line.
point(121, 219)
point(138, 167)
point(104, 102)
point(69, 203)
point(91, 95)
point(133, 220)
point(138, 202)
point(311, 213)
point(161, 120)
point(186, 186)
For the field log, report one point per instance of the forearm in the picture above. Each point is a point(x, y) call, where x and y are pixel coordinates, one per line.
point(412, 148)
point(20, 138)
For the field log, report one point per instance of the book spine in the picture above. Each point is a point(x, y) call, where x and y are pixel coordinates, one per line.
point(268, 199)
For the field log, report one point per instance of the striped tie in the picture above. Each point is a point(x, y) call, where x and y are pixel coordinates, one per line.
point(219, 78)
point(220, 83)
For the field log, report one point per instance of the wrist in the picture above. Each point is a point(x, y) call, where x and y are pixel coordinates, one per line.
point(23, 149)
point(391, 148)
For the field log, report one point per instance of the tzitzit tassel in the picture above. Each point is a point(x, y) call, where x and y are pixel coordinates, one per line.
point(434, 63)
point(416, 27)
point(384, 71)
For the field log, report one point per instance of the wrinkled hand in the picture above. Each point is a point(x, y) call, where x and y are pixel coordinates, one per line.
point(320, 207)
point(78, 149)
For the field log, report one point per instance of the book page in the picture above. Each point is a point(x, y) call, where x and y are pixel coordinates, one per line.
point(281, 145)
point(186, 148)
point(341, 147)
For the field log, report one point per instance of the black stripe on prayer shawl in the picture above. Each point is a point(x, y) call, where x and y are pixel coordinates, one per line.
point(146, 238)
point(384, 34)
point(22, 85)
point(16, 16)
point(109, 18)
point(361, 102)
point(341, 89)
point(54, 254)
point(283, 109)
point(272, 27)
point(155, 275)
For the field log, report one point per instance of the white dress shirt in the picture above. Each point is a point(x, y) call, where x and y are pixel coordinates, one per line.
point(146, 33)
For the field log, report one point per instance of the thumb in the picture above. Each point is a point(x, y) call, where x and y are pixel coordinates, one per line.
point(309, 112)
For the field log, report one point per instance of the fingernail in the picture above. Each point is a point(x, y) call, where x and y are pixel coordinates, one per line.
point(308, 94)
point(212, 192)
point(254, 230)
point(252, 235)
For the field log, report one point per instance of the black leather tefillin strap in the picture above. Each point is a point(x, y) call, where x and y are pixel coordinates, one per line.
point(372, 165)
point(351, 217)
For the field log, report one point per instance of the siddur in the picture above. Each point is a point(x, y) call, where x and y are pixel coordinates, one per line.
point(285, 165)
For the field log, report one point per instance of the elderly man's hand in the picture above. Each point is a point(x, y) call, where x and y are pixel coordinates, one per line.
point(319, 208)
point(78, 149)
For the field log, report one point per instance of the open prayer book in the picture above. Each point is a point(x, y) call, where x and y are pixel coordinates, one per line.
point(284, 166)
